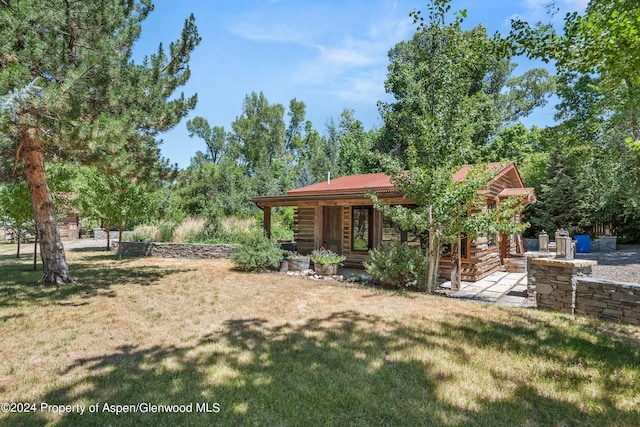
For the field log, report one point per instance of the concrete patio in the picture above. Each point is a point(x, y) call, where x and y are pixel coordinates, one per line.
point(500, 288)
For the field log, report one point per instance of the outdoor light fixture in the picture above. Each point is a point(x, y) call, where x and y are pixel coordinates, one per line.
point(563, 245)
point(543, 242)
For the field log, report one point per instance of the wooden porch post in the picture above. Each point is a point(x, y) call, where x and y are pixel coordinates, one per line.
point(377, 228)
point(267, 221)
point(318, 227)
point(504, 250)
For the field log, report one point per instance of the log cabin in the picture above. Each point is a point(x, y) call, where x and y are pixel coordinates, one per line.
point(337, 214)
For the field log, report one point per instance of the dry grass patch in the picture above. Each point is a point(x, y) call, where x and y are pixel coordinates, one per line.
point(188, 229)
point(272, 349)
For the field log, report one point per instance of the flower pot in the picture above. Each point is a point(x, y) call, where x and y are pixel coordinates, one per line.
point(325, 269)
point(298, 263)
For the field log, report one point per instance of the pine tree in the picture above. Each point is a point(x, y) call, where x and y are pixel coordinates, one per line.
point(94, 105)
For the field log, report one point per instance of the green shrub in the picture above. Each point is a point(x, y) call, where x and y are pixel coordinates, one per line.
point(279, 232)
point(257, 254)
point(397, 265)
point(145, 233)
point(166, 231)
point(325, 257)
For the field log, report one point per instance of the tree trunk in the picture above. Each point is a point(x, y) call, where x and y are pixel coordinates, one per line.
point(19, 234)
point(35, 253)
point(120, 240)
point(434, 257)
point(455, 265)
point(56, 270)
point(106, 228)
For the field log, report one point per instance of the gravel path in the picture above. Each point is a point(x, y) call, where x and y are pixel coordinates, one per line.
point(27, 248)
point(622, 265)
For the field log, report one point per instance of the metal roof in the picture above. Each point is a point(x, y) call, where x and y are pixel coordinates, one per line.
point(355, 186)
point(379, 182)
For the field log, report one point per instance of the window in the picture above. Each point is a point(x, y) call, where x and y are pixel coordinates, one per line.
point(361, 228)
point(464, 248)
point(392, 232)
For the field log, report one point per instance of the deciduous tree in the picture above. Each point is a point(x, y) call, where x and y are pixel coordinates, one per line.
point(16, 211)
point(605, 42)
point(443, 109)
point(113, 200)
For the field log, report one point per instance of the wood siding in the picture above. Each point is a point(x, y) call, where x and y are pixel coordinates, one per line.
point(310, 213)
point(303, 226)
point(482, 261)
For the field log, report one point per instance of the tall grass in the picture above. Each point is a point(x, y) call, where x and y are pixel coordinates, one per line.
point(189, 230)
point(146, 232)
point(197, 230)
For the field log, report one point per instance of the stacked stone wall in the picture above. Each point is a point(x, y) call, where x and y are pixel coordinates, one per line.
point(531, 269)
point(555, 282)
point(174, 250)
point(608, 300)
point(566, 286)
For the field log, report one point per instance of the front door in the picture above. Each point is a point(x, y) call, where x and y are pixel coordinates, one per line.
point(332, 229)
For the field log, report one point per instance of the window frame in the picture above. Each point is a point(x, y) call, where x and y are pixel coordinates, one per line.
point(370, 221)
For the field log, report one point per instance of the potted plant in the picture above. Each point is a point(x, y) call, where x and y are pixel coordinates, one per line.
point(326, 261)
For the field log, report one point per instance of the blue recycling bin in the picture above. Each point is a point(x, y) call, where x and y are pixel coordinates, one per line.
point(583, 243)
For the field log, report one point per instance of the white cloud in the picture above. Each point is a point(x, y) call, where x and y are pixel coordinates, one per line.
point(363, 89)
point(541, 10)
point(347, 46)
point(267, 32)
point(354, 68)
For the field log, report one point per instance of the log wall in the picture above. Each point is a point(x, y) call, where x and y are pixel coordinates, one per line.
point(482, 261)
point(303, 229)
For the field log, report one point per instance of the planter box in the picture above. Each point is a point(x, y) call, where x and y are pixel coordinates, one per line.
point(298, 264)
point(325, 269)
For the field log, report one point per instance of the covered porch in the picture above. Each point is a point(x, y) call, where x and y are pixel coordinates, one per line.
point(338, 215)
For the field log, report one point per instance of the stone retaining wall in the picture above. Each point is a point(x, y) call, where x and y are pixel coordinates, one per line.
point(531, 269)
point(566, 286)
point(608, 300)
point(555, 282)
point(606, 244)
point(173, 250)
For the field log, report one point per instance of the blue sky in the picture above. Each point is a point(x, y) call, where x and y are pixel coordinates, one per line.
point(329, 54)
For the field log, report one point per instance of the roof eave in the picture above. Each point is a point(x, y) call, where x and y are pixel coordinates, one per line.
point(293, 199)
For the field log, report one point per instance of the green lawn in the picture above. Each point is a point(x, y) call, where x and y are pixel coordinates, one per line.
point(278, 350)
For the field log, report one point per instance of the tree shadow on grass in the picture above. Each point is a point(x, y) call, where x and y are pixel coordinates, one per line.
point(26, 257)
point(344, 369)
point(94, 278)
point(91, 249)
